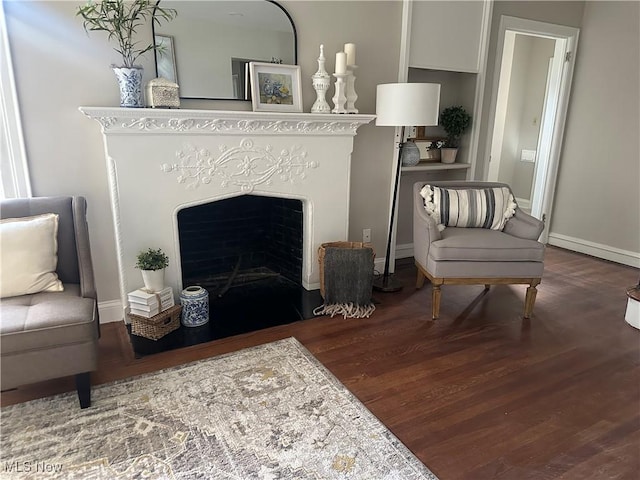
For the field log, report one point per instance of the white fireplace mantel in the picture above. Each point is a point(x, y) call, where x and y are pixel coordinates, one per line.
point(160, 161)
point(153, 121)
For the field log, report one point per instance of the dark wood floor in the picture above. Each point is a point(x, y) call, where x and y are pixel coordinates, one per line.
point(480, 393)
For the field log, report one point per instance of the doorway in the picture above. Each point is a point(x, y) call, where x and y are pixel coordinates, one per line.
point(532, 82)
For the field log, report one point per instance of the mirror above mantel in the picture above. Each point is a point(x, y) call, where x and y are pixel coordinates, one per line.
point(208, 46)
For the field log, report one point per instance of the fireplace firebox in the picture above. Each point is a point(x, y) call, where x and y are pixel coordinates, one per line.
point(239, 241)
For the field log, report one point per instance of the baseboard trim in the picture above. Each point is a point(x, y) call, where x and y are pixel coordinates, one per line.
point(404, 250)
point(110, 311)
point(605, 252)
point(523, 203)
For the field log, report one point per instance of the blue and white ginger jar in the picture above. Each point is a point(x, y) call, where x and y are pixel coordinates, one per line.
point(195, 306)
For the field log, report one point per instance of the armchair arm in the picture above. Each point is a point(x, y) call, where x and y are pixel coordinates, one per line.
point(425, 229)
point(85, 265)
point(523, 225)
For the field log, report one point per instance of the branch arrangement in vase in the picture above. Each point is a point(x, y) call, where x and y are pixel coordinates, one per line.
point(120, 19)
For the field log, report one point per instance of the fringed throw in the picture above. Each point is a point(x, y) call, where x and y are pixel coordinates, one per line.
point(348, 282)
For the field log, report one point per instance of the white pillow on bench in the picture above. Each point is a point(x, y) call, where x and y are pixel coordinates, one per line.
point(29, 255)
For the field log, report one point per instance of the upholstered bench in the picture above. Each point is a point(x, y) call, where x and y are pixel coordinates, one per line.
point(52, 332)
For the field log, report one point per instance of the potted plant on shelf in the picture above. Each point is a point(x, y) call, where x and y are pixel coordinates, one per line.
point(455, 121)
point(152, 264)
point(120, 19)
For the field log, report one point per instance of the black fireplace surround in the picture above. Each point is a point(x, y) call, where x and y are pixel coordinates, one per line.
point(248, 233)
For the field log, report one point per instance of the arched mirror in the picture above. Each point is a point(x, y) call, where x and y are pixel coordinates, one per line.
point(208, 46)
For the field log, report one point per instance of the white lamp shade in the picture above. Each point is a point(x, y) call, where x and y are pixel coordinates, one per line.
point(407, 104)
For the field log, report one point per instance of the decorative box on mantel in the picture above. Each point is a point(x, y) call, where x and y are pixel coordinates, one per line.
point(200, 156)
point(162, 93)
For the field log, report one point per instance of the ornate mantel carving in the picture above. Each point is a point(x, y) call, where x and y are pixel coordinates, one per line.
point(146, 120)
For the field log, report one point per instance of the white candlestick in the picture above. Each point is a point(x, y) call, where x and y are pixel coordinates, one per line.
point(339, 99)
point(350, 50)
point(351, 94)
point(321, 83)
point(341, 63)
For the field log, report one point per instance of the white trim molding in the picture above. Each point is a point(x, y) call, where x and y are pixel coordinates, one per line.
point(404, 250)
point(15, 173)
point(597, 250)
point(110, 311)
point(605, 252)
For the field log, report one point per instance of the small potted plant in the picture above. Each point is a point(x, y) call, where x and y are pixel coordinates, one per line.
point(152, 264)
point(120, 19)
point(455, 121)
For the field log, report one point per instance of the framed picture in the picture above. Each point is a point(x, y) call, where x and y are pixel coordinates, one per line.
point(166, 58)
point(429, 149)
point(275, 87)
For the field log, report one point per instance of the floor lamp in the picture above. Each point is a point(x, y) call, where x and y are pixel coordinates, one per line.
point(402, 105)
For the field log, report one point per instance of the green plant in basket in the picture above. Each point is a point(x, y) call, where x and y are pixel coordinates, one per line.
point(455, 121)
point(152, 260)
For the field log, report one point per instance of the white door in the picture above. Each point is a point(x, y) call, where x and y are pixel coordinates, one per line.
point(532, 82)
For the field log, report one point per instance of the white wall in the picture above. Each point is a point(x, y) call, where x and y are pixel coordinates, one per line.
point(58, 68)
point(600, 165)
point(599, 153)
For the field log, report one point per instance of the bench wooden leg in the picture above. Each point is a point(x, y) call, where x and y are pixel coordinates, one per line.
point(435, 308)
point(530, 299)
point(83, 385)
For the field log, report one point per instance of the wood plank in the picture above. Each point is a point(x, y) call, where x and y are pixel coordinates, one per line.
point(480, 393)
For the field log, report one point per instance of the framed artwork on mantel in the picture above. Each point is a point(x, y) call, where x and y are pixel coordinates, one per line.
point(275, 87)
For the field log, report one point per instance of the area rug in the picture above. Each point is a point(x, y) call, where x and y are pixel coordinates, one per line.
point(270, 412)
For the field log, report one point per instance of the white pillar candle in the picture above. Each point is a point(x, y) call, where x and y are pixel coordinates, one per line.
point(341, 62)
point(350, 50)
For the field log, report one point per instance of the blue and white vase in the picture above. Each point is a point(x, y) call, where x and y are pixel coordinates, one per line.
point(130, 83)
point(195, 306)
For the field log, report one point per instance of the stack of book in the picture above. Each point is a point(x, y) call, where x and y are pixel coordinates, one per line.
point(147, 305)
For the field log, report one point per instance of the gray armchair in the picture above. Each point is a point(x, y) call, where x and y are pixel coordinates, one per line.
point(470, 256)
point(53, 334)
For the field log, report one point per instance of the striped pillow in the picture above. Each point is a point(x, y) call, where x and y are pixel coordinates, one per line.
point(469, 208)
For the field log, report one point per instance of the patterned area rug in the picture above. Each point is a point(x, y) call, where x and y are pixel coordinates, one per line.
point(268, 412)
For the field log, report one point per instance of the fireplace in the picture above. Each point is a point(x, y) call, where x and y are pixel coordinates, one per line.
point(241, 241)
point(162, 163)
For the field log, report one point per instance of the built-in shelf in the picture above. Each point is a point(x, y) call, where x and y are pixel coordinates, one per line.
point(436, 166)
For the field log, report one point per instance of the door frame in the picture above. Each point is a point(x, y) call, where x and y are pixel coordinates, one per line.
point(552, 131)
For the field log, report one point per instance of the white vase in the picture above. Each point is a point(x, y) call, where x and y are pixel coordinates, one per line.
point(448, 155)
point(130, 83)
point(153, 279)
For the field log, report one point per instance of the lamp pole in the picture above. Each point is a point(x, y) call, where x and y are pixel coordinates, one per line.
point(387, 283)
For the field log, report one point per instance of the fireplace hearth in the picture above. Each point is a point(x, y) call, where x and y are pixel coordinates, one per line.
point(242, 309)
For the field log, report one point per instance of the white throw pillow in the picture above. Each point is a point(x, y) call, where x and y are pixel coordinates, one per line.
point(29, 255)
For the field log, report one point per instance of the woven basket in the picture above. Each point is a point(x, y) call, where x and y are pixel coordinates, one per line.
point(157, 326)
point(321, 249)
